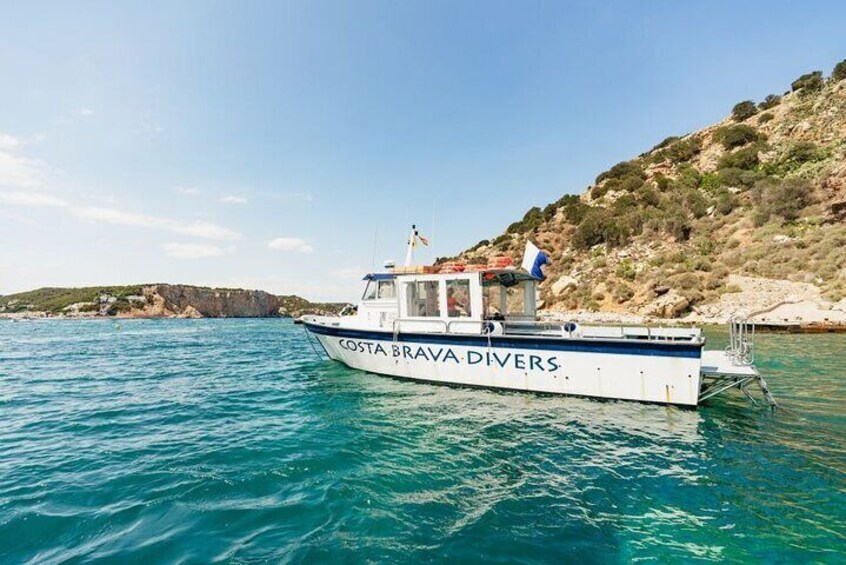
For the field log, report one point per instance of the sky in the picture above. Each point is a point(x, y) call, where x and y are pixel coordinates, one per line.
point(288, 146)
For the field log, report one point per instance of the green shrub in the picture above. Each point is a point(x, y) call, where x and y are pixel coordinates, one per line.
point(683, 150)
point(802, 152)
point(694, 202)
point(781, 198)
point(705, 247)
point(598, 191)
point(620, 170)
point(743, 110)
point(530, 222)
point(688, 176)
point(616, 234)
point(630, 183)
point(738, 178)
point(839, 72)
point(121, 305)
point(482, 243)
point(501, 241)
point(567, 200)
point(575, 212)
point(710, 182)
point(662, 182)
point(626, 270)
point(677, 226)
point(624, 203)
point(771, 101)
point(736, 136)
point(666, 142)
point(515, 227)
point(648, 196)
point(808, 82)
point(591, 231)
point(745, 158)
point(765, 117)
point(726, 202)
point(599, 226)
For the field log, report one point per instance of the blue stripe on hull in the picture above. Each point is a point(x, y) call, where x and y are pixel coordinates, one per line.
point(614, 347)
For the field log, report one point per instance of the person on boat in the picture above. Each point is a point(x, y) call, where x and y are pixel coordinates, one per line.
point(454, 307)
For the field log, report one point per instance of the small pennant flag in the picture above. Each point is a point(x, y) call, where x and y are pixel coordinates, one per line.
point(417, 236)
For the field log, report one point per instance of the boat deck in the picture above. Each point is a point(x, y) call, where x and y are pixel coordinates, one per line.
point(720, 363)
point(720, 372)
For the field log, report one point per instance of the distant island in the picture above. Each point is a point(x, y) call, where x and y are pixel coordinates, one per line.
point(746, 215)
point(157, 301)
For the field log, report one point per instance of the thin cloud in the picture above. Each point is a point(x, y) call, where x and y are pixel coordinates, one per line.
point(19, 171)
point(204, 230)
point(8, 141)
point(192, 250)
point(293, 244)
point(233, 200)
point(349, 273)
point(301, 196)
point(34, 199)
point(85, 112)
point(187, 190)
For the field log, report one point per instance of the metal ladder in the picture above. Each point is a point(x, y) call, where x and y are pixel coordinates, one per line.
point(741, 348)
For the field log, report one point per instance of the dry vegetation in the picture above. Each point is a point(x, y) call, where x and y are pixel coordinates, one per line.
point(762, 193)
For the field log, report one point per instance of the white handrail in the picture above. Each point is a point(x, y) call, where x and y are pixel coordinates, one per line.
point(397, 321)
point(481, 324)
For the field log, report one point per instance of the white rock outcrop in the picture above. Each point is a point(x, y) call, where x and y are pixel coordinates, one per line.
point(668, 305)
point(564, 284)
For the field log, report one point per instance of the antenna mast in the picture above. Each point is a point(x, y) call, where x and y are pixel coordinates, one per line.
point(409, 249)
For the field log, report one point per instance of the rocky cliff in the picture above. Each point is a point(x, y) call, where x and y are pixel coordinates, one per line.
point(760, 195)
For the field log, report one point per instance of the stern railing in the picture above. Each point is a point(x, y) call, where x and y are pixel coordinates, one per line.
point(741, 347)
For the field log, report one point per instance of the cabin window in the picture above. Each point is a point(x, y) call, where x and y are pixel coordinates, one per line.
point(458, 298)
point(423, 298)
point(387, 289)
point(500, 301)
point(383, 289)
point(370, 291)
point(515, 298)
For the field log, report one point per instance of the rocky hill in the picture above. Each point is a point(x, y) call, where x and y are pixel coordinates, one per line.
point(158, 301)
point(678, 230)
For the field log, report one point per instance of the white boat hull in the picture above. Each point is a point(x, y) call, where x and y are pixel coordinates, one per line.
point(666, 373)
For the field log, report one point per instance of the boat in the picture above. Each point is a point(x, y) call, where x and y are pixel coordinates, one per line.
point(478, 326)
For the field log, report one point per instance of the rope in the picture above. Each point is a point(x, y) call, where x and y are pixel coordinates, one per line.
point(311, 343)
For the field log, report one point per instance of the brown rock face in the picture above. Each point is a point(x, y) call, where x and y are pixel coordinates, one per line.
point(216, 303)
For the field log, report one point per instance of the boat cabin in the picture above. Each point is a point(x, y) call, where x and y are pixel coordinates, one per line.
point(455, 302)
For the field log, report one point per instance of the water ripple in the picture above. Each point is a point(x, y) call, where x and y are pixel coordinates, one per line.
point(229, 441)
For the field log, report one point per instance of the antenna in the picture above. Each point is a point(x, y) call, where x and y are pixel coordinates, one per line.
point(373, 260)
point(432, 232)
point(409, 250)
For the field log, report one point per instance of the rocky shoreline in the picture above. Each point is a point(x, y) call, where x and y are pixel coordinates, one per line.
point(773, 305)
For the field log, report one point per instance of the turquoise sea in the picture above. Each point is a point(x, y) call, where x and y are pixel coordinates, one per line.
point(183, 441)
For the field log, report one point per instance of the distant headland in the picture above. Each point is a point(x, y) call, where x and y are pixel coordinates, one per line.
point(157, 301)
